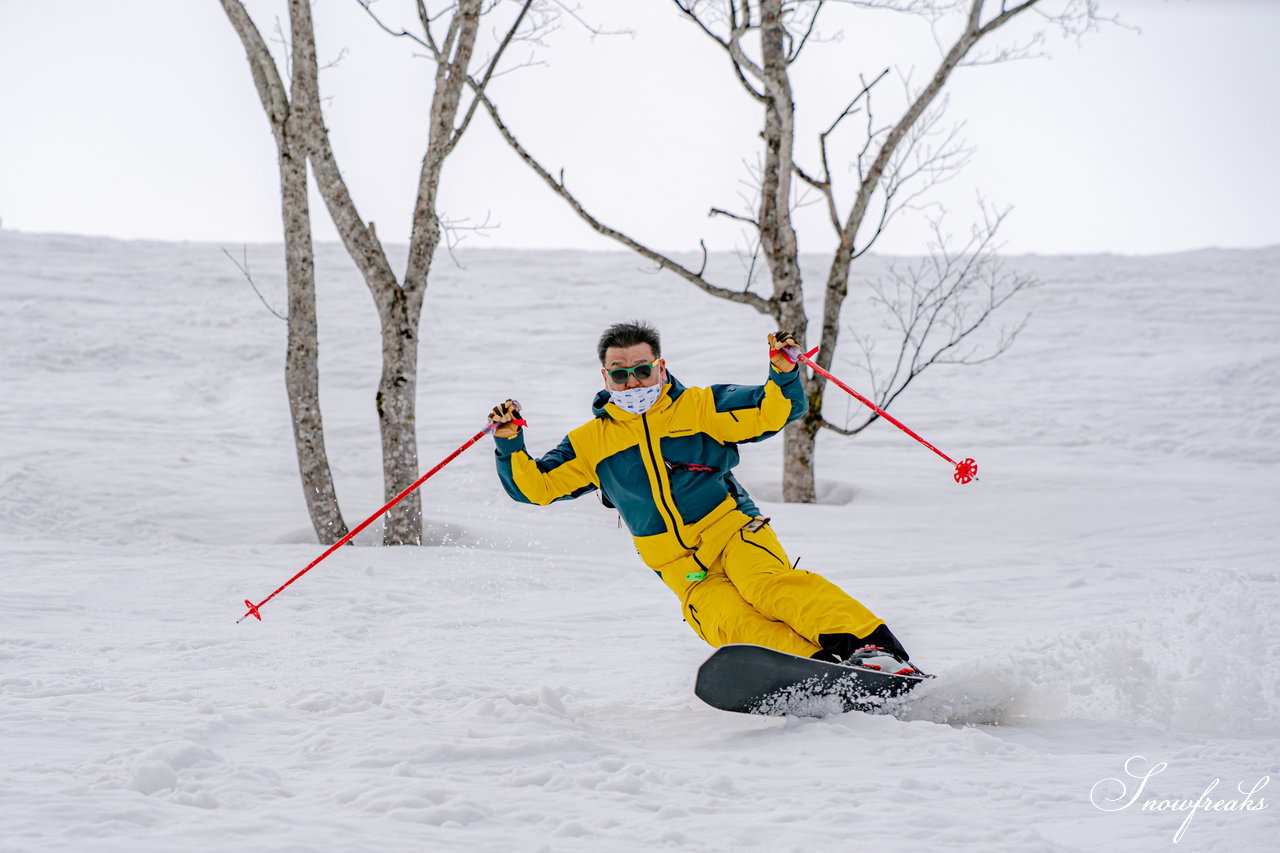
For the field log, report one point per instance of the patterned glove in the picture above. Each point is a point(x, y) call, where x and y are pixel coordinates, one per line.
point(777, 341)
point(503, 414)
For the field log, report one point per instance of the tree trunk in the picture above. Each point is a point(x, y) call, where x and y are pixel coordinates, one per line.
point(400, 307)
point(798, 442)
point(778, 241)
point(799, 438)
point(798, 482)
point(777, 233)
point(302, 372)
point(397, 392)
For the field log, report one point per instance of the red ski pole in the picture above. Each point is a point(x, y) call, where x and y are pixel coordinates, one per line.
point(966, 469)
point(253, 608)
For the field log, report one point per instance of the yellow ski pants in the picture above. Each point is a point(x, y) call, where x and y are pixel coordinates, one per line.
point(751, 594)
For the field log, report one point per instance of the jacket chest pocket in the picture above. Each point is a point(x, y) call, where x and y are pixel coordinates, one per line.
point(694, 467)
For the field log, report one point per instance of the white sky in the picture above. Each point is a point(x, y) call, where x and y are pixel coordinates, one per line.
point(138, 119)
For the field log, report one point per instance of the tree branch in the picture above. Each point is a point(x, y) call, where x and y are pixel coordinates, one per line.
point(266, 77)
point(716, 211)
point(244, 270)
point(558, 186)
point(732, 45)
point(360, 241)
point(492, 66)
point(452, 75)
point(794, 54)
point(937, 306)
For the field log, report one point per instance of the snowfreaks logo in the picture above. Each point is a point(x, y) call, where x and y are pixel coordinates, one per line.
point(1246, 800)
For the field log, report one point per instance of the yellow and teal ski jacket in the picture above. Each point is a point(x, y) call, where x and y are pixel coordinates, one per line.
point(669, 471)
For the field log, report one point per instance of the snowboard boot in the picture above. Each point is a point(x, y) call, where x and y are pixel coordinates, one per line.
point(837, 648)
point(874, 657)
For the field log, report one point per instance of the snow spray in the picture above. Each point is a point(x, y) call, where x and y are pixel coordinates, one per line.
point(253, 608)
point(966, 469)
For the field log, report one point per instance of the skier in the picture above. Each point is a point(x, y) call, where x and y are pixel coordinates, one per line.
point(662, 455)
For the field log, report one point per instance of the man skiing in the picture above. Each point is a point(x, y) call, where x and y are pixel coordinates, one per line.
point(663, 455)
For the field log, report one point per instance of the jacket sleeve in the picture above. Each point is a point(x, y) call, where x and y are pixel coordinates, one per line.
point(559, 475)
point(742, 413)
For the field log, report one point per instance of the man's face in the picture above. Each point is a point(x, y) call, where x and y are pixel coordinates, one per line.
point(623, 357)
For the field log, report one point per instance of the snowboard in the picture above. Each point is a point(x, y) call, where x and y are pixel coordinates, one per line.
point(750, 679)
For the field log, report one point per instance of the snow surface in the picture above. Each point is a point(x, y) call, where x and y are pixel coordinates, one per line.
point(1107, 590)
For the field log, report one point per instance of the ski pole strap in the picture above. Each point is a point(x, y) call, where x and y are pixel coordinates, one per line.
point(493, 425)
point(793, 354)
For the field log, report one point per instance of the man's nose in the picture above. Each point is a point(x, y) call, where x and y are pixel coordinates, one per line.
point(632, 381)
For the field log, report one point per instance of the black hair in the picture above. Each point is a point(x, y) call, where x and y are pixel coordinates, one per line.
point(628, 335)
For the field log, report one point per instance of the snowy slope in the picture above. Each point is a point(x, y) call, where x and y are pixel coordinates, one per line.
point(1107, 590)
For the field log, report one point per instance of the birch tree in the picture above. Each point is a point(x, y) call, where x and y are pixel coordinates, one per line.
point(938, 308)
point(302, 373)
point(451, 31)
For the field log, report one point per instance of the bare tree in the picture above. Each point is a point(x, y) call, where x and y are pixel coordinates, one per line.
point(894, 164)
point(451, 34)
point(302, 374)
point(931, 309)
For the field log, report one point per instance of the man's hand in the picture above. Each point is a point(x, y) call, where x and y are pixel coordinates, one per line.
point(777, 341)
point(503, 414)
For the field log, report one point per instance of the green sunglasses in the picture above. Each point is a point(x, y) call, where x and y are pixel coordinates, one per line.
point(640, 371)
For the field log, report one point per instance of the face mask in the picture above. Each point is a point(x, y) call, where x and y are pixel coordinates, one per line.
point(637, 401)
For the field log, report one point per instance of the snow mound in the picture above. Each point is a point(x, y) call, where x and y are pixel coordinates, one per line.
point(1184, 667)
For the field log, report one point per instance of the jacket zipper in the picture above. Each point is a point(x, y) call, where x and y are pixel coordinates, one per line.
point(662, 494)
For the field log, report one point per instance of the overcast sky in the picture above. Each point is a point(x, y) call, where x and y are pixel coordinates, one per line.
point(138, 119)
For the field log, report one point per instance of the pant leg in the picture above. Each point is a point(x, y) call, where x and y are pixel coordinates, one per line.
point(718, 614)
point(755, 563)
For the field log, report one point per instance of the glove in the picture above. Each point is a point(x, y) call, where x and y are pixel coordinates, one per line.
point(777, 341)
point(503, 414)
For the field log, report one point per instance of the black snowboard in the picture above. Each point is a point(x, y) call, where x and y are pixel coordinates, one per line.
point(756, 680)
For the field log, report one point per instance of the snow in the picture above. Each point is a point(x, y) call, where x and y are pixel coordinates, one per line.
point(1106, 590)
